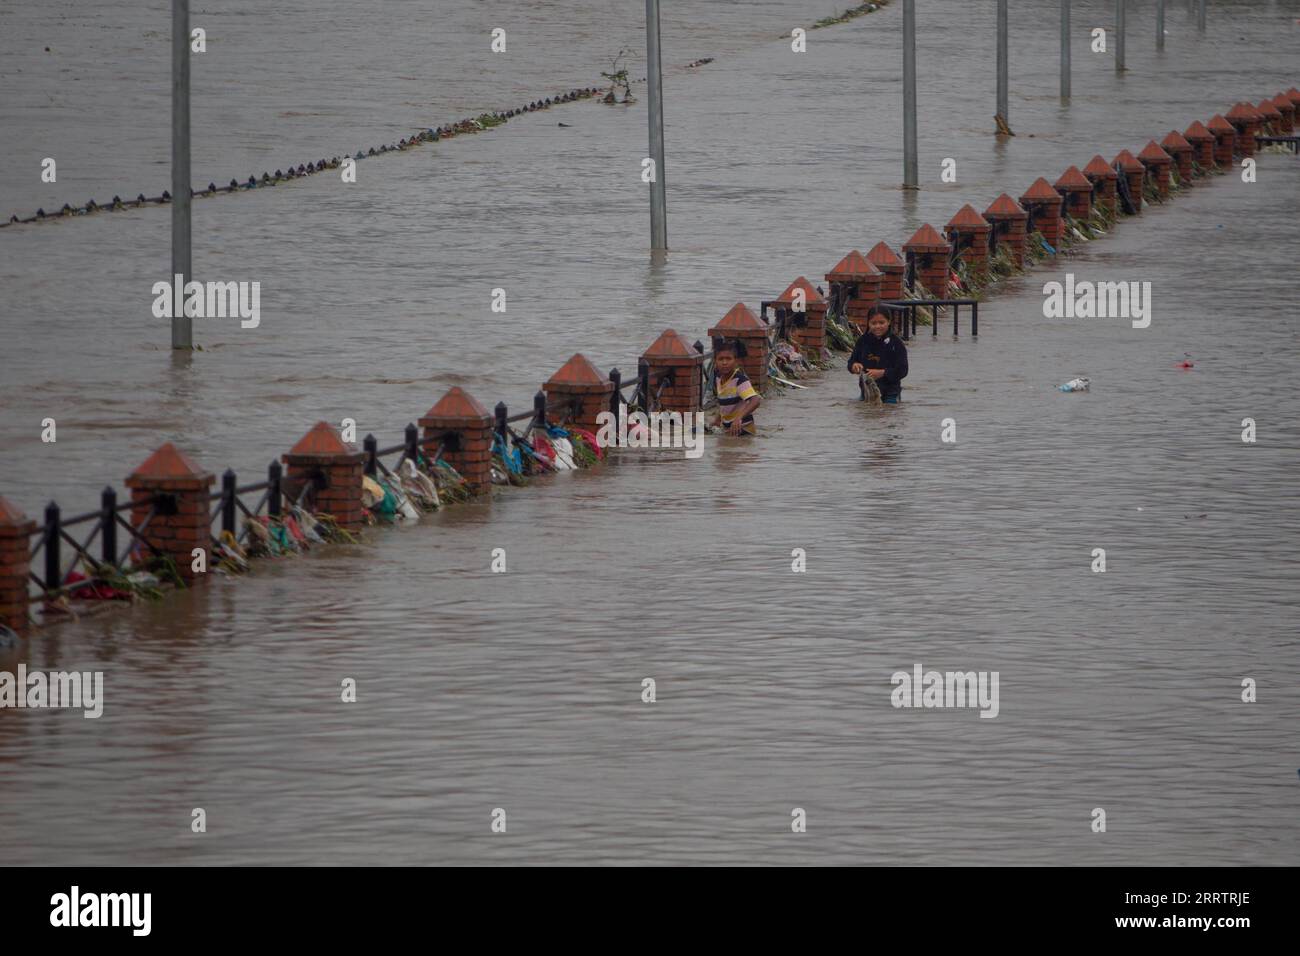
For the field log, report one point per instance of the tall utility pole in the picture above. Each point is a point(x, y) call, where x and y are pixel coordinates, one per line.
point(182, 332)
point(1002, 62)
point(1121, 26)
point(910, 179)
point(654, 77)
point(1065, 49)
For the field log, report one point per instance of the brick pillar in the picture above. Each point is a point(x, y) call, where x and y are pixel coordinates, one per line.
point(1131, 168)
point(1010, 227)
point(1294, 96)
point(1181, 150)
point(1043, 203)
point(1158, 164)
point(970, 231)
point(181, 522)
point(1225, 140)
point(1104, 181)
point(1286, 109)
point(340, 466)
point(578, 383)
point(807, 328)
point(1076, 191)
point(929, 251)
point(1245, 119)
point(1202, 141)
point(672, 354)
point(1270, 118)
point(891, 268)
point(465, 429)
point(859, 281)
point(740, 322)
point(15, 531)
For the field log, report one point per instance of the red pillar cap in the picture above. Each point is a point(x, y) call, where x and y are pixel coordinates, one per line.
point(852, 268)
point(458, 405)
point(671, 346)
point(1004, 207)
point(1040, 191)
point(322, 439)
point(967, 219)
point(1097, 166)
point(1152, 153)
point(578, 372)
point(1128, 162)
point(1072, 179)
point(884, 257)
point(926, 239)
point(167, 463)
point(10, 516)
point(810, 293)
point(739, 318)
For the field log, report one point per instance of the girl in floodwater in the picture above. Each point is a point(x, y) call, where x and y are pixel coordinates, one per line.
point(881, 356)
point(737, 397)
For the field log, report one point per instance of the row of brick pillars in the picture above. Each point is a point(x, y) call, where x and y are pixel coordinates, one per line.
point(171, 493)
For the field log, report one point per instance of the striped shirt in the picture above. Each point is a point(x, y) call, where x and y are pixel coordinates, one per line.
point(731, 393)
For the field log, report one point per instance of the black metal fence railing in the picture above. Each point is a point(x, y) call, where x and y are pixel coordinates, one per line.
point(903, 312)
point(56, 581)
point(105, 554)
point(1292, 141)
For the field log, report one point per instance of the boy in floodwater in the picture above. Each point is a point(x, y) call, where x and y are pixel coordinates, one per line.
point(881, 356)
point(737, 397)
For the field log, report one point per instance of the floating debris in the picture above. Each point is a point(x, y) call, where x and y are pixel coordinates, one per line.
point(852, 13)
point(478, 124)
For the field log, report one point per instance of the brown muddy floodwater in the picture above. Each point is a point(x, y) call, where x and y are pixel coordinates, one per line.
point(523, 690)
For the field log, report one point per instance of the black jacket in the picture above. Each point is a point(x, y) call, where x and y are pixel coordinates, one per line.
point(888, 353)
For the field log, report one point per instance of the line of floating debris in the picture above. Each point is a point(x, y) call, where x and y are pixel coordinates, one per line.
point(477, 124)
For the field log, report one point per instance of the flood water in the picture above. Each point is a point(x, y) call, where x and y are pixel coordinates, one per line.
point(522, 690)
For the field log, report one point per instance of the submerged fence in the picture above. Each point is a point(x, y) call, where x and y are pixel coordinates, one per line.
point(180, 527)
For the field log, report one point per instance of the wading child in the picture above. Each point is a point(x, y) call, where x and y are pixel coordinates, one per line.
point(881, 356)
point(737, 397)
